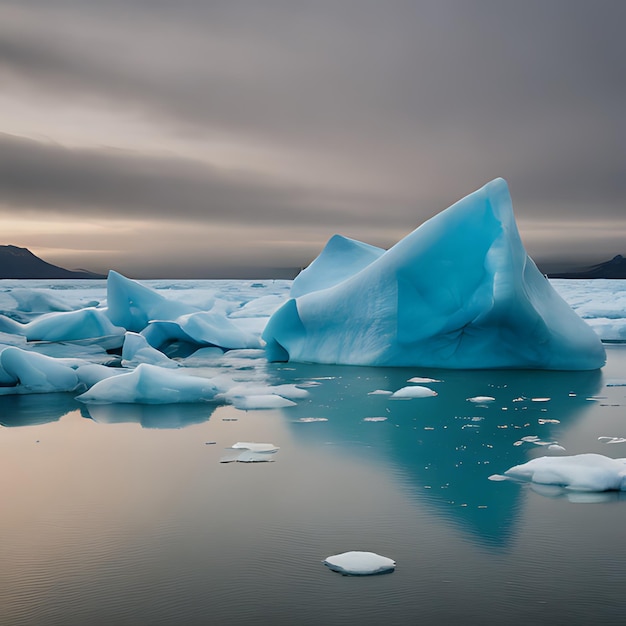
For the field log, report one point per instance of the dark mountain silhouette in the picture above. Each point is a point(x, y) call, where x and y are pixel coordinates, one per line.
point(18, 262)
point(615, 268)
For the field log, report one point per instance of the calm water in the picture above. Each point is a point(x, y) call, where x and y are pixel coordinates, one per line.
point(125, 515)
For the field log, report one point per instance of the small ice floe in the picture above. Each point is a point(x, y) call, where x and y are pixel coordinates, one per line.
point(374, 419)
point(481, 399)
point(612, 439)
point(556, 447)
point(534, 440)
point(250, 397)
point(357, 563)
point(420, 379)
point(540, 399)
point(581, 472)
point(543, 420)
point(306, 420)
point(261, 401)
point(616, 382)
point(414, 391)
point(250, 452)
point(380, 392)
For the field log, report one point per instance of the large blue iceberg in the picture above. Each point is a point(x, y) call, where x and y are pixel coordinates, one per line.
point(458, 292)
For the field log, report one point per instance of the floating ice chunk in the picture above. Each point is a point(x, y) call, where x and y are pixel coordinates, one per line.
point(357, 563)
point(23, 371)
point(612, 439)
point(481, 399)
point(132, 305)
point(581, 472)
point(137, 350)
point(89, 323)
point(458, 292)
point(421, 379)
point(540, 399)
point(250, 452)
point(414, 391)
point(250, 396)
point(261, 401)
point(255, 447)
point(214, 329)
point(374, 419)
point(308, 420)
point(380, 392)
point(200, 328)
point(150, 384)
point(556, 447)
point(341, 258)
point(616, 382)
point(91, 373)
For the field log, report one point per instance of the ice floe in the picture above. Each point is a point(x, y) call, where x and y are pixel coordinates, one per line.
point(581, 472)
point(150, 384)
point(414, 391)
point(357, 563)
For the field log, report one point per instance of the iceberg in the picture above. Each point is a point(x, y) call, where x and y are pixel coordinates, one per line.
point(132, 305)
point(580, 472)
point(136, 350)
point(85, 324)
point(150, 384)
point(341, 258)
point(23, 371)
point(459, 292)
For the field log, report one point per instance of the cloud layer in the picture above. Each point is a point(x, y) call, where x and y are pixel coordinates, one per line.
point(281, 123)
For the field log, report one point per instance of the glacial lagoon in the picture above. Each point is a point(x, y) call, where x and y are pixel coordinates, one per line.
point(125, 514)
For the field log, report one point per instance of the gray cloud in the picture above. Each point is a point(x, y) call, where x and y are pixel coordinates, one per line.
point(50, 179)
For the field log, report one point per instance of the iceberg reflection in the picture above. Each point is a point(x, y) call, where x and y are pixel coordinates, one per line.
point(443, 448)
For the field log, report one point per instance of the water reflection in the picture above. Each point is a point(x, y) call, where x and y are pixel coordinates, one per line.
point(444, 448)
point(35, 409)
point(150, 415)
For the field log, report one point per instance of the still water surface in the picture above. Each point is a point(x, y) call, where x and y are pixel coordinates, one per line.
point(124, 514)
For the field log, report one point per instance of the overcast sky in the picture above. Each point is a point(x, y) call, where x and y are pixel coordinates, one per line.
point(189, 138)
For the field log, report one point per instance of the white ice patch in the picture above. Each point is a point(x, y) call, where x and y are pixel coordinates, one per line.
point(250, 452)
point(421, 379)
point(581, 472)
point(414, 391)
point(612, 439)
point(481, 399)
point(358, 563)
point(256, 402)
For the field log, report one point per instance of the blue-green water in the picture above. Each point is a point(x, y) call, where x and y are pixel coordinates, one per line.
point(125, 515)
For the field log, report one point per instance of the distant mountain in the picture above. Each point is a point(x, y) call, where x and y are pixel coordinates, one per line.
point(615, 268)
point(22, 263)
